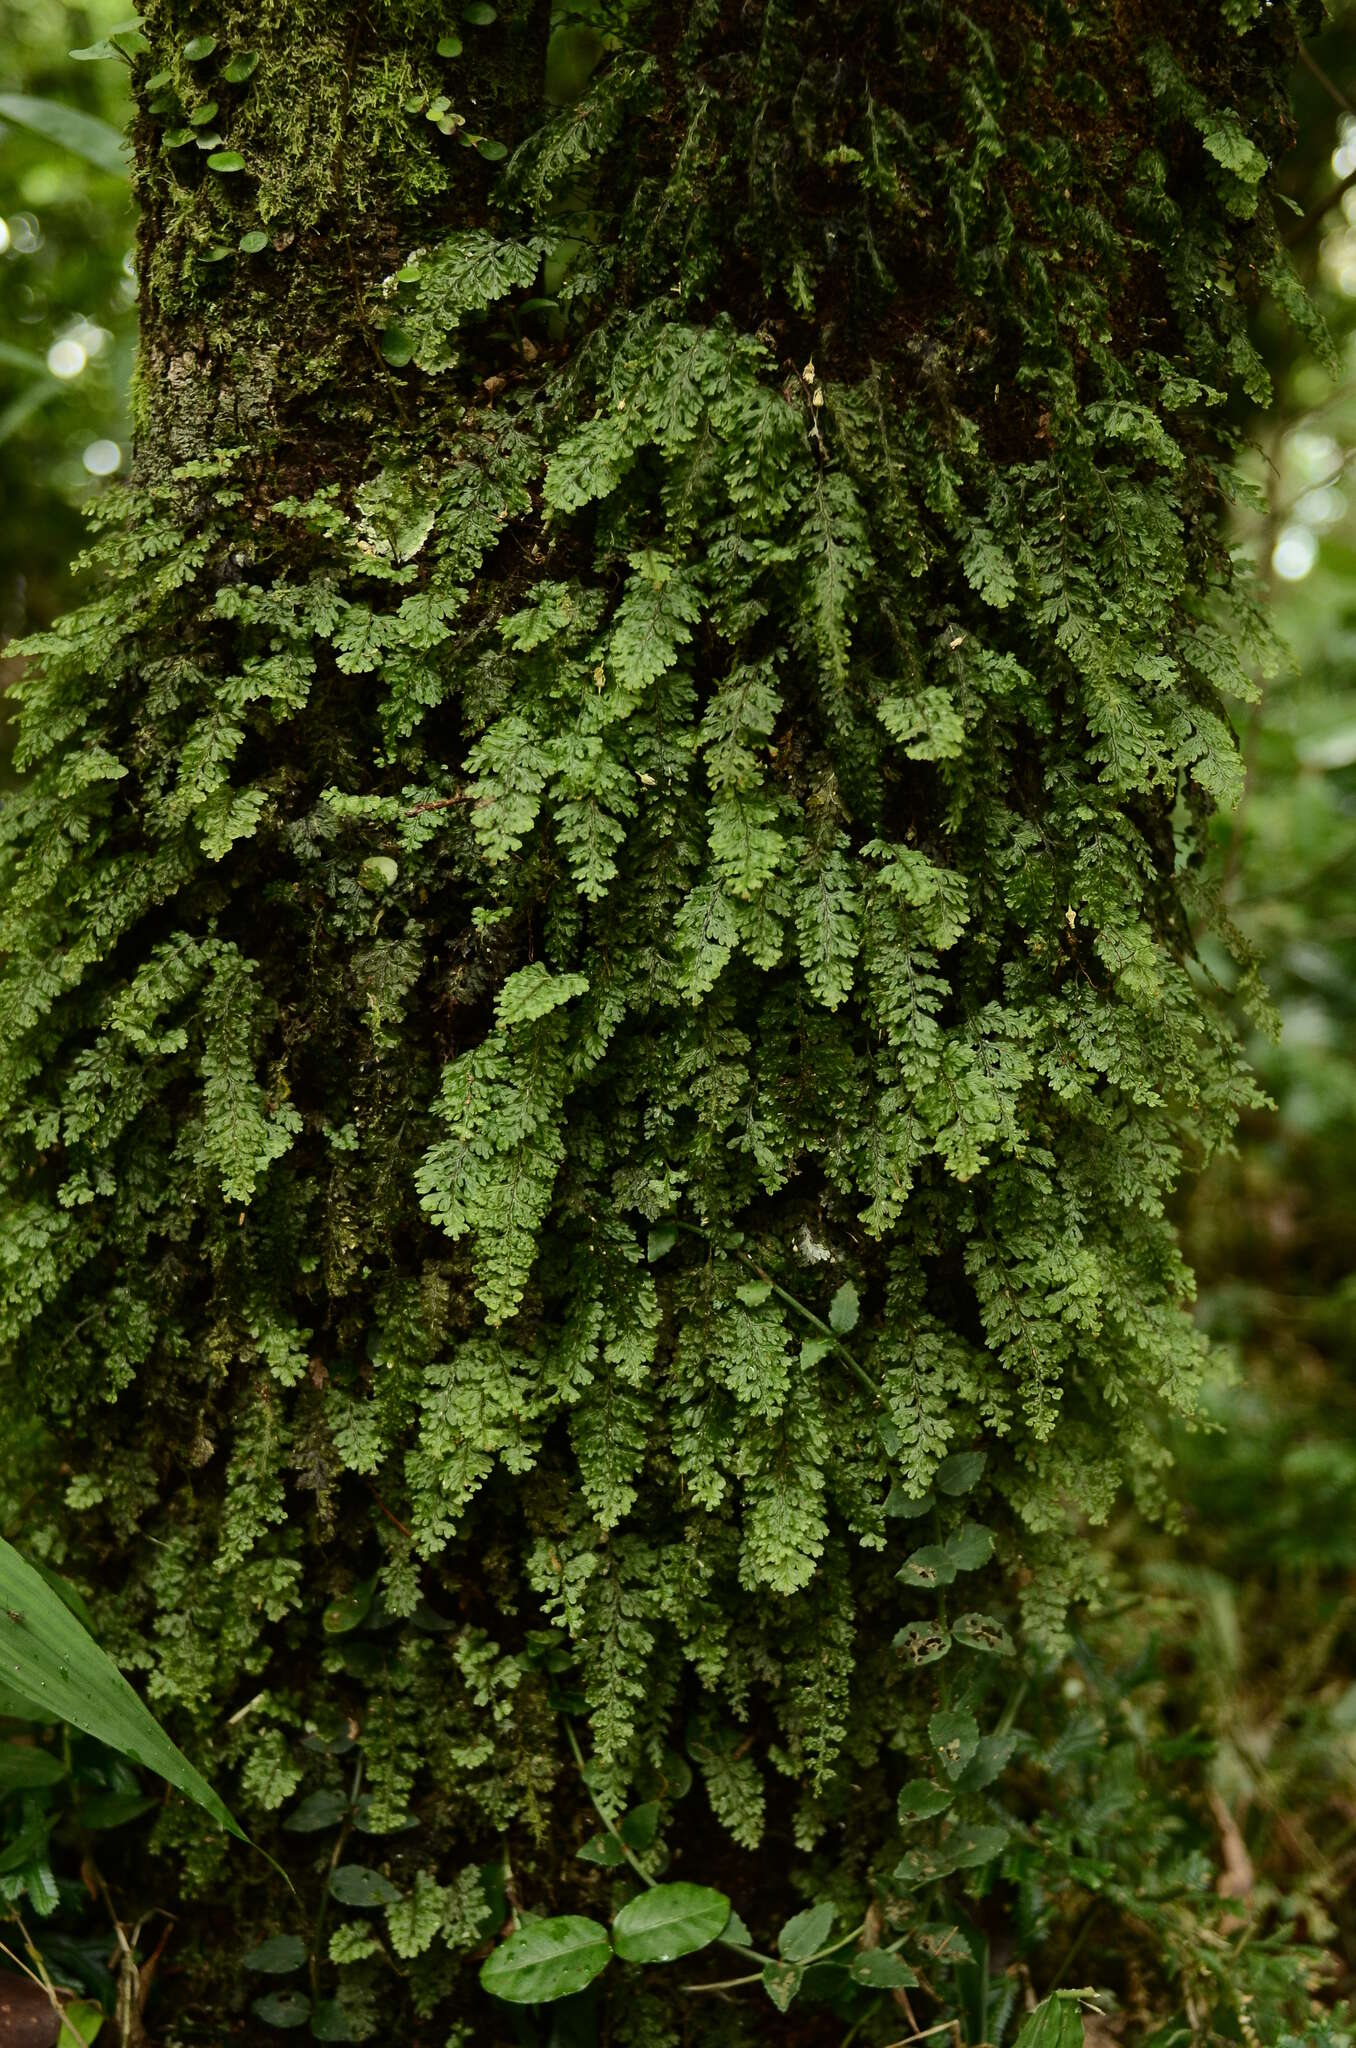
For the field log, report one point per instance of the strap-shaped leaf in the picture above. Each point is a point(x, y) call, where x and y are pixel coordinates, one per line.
point(94, 140)
point(46, 1656)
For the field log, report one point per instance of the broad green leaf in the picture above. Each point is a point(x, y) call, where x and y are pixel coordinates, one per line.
point(546, 1959)
point(252, 242)
point(283, 2009)
point(908, 1506)
point(928, 1567)
point(225, 160)
point(982, 1632)
point(353, 1884)
point(240, 67)
point(959, 1472)
point(449, 45)
point(25, 1769)
point(969, 1847)
point(82, 134)
point(317, 1810)
point(350, 1610)
point(104, 1810)
point(920, 1799)
point(970, 1547)
point(669, 1920)
point(1056, 2023)
point(882, 1970)
point(83, 2018)
point(603, 1849)
point(198, 47)
point(330, 2022)
point(479, 13)
point(661, 1240)
point(49, 1658)
point(844, 1310)
point(276, 1956)
point(781, 1981)
point(991, 1755)
point(806, 1933)
point(639, 1827)
point(954, 1734)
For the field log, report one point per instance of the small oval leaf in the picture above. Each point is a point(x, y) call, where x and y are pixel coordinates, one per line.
point(959, 1472)
point(277, 1955)
point(806, 1933)
point(844, 1310)
point(225, 160)
point(198, 47)
point(353, 1884)
point(920, 1799)
point(283, 2009)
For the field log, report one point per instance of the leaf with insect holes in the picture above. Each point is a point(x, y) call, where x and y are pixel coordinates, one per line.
point(806, 1933)
point(50, 1659)
point(881, 1970)
point(669, 1920)
point(844, 1310)
point(546, 1959)
point(920, 1799)
point(922, 1642)
point(928, 1567)
point(603, 1849)
point(954, 1735)
point(781, 1981)
point(982, 1632)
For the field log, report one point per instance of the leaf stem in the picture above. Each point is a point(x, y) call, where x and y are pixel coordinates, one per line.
point(826, 1329)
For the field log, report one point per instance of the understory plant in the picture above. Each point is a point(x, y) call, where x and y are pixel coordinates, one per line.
point(602, 1000)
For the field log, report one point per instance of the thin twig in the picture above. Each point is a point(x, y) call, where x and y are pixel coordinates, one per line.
point(37, 1974)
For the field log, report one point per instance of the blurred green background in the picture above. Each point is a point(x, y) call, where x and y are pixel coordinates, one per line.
point(1250, 1606)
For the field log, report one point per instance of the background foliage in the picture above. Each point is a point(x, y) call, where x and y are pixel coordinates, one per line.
point(1203, 1721)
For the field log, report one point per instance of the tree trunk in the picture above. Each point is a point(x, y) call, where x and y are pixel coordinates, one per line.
point(601, 1002)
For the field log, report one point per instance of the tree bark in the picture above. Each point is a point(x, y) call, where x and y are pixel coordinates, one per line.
point(601, 997)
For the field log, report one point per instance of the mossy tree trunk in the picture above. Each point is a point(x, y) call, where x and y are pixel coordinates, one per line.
point(600, 992)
